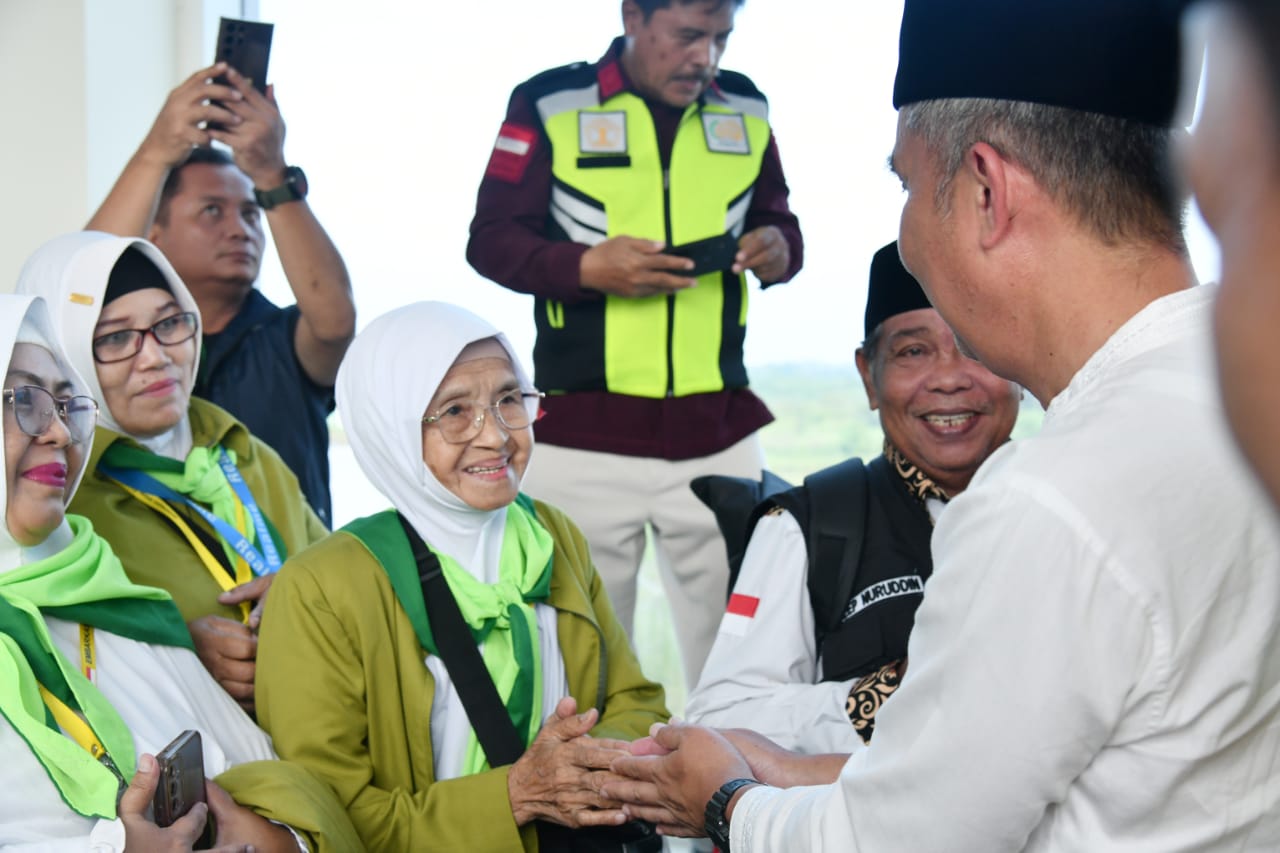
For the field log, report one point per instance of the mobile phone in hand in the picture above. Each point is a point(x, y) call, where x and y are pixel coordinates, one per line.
point(181, 783)
point(246, 47)
point(710, 255)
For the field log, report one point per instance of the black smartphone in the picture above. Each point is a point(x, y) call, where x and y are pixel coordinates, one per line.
point(246, 47)
point(181, 783)
point(710, 255)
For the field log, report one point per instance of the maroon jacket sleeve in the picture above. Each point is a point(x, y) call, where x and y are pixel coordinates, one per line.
point(769, 207)
point(507, 241)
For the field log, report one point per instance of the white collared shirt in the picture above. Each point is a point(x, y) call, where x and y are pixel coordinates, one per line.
point(1096, 663)
point(764, 671)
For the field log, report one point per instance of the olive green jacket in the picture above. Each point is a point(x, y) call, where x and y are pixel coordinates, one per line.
point(343, 689)
point(153, 552)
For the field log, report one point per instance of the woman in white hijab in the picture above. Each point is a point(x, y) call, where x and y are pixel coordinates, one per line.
point(96, 672)
point(189, 500)
point(438, 411)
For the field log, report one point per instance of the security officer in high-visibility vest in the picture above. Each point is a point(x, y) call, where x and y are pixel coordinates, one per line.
point(598, 170)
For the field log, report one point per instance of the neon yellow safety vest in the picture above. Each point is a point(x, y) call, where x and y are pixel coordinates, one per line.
point(608, 180)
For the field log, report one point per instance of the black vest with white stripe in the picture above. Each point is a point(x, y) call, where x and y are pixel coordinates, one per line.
point(874, 624)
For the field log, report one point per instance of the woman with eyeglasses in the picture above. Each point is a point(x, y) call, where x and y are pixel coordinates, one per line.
point(96, 672)
point(190, 501)
point(367, 634)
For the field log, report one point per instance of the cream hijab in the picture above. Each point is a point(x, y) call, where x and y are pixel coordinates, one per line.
point(25, 319)
point(387, 379)
point(71, 273)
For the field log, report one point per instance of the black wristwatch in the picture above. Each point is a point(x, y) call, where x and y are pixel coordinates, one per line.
point(294, 188)
point(717, 825)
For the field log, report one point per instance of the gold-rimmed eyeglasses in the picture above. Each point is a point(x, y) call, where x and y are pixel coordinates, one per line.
point(462, 420)
point(34, 409)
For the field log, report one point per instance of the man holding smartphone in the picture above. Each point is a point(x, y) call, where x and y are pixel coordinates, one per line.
point(205, 209)
point(598, 170)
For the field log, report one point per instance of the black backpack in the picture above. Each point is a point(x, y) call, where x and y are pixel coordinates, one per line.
point(831, 509)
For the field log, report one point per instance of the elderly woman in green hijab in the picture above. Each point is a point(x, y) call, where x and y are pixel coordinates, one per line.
point(97, 672)
point(189, 500)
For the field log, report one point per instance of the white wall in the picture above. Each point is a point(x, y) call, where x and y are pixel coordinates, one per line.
point(84, 79)
point(43, 162)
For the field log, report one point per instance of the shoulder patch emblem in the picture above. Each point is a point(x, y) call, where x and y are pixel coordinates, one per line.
point(512, 153)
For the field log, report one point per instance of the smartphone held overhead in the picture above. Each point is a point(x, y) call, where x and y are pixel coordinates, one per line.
point(246, 47)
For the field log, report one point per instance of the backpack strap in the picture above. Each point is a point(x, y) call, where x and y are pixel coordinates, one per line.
point(732, 500)
point(488, 715)
point(486, 712)
point(836, 530)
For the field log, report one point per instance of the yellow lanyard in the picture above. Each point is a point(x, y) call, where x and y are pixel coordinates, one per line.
point(243, 573)
point(72, 723)
point(88, 652)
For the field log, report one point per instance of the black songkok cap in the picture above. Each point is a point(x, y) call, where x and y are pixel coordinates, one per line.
point(1114, 57)
point(892, 290)
point(133, 271)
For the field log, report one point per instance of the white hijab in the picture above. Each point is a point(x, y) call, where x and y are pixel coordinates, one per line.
point(25, 319)
point(388, 377)
point(71, 273)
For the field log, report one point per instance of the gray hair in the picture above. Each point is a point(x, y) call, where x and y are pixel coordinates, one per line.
point(1116, 176)
point(871, 351)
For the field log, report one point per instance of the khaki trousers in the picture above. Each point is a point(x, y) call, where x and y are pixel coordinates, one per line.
point(614, 498)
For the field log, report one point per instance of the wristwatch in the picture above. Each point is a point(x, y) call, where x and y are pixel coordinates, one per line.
point(717, 825)
point(293, 189)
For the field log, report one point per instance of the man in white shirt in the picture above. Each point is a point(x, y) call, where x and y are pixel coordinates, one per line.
point(815, 636)
point(1096, 664)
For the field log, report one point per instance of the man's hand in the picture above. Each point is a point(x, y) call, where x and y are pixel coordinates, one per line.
point(631, 267)
point(559, 776)
point(256, 138)
point(143, 836)
point(240, 828)
point(780, 767)
point(177, 129)
point(672, 789)
point(228, 650)
point(256, 591)
point(765, 252)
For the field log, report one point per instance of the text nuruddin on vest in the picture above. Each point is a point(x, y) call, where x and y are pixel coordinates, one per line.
point(882, 591)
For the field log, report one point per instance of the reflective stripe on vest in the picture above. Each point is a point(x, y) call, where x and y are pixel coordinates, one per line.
point(608, 180)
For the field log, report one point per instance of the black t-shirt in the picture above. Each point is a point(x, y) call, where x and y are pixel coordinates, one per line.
point(251, 369)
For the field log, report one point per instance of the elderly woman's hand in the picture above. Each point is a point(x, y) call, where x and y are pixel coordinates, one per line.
point(560, 775)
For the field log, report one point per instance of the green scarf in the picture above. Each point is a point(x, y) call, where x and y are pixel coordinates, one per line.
point(83, 582)
point(500, 615)
point(199, 478)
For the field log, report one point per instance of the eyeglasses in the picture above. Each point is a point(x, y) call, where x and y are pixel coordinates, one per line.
point(126, 343)
point(34, 408)
point(463, 420)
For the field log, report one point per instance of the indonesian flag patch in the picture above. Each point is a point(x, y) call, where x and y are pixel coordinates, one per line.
point(512, 153)
point(739, 614)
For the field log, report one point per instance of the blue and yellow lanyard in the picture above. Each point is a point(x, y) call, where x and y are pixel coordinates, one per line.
point(159, 497)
